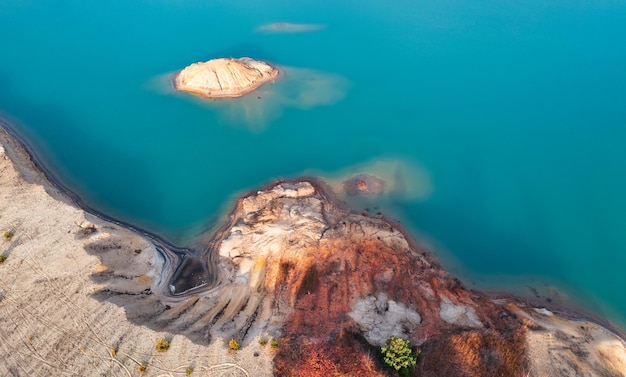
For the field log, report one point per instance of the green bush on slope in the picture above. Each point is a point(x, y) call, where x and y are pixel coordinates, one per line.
point(397, 354)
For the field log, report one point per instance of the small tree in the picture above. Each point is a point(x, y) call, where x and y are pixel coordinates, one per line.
point(397, 354)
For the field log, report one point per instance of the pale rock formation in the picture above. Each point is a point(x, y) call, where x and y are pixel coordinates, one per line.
point(380, 318)
point(460, 315)
point(223, 78)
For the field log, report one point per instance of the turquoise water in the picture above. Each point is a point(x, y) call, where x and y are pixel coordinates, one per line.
point(500, 125)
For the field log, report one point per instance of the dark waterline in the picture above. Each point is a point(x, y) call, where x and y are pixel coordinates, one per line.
point(192, 270)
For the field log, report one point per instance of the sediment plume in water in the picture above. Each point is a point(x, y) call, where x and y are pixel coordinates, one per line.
point(299, 88)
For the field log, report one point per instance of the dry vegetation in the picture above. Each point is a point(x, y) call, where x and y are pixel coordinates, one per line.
point(474, 353)
point(346, 356)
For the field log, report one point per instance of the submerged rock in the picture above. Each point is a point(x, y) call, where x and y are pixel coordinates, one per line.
point(224, 78)
point(364, 184)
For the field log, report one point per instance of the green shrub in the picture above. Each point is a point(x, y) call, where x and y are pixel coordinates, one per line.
point(262, 342)
point(162, 345)
point(274, 343)
point(189, 371)
point(398, 354)
point(233, 345)
point(7, 235)
point(142, 368)
point(2, 259)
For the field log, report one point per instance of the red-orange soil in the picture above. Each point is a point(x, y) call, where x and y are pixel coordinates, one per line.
point(322, 340)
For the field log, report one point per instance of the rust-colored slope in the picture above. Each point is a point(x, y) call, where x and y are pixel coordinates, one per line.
point(323, 339)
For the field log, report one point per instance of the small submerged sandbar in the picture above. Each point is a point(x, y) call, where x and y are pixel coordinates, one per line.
point(225, 78)
point(289, 27)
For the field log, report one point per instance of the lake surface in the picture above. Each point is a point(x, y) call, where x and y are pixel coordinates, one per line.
point(499, 125)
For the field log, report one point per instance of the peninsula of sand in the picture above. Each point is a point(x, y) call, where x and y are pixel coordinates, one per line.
point(225, 78)
point(303, 285)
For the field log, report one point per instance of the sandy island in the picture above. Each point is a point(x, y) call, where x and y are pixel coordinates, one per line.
point(83, 296)
point(225, 78)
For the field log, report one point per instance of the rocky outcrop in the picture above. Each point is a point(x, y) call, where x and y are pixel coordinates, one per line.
point(223, 78)
point(292, 265)
point(332, 286)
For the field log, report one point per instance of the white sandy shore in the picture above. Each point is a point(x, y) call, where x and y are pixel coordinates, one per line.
point(51, 323)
